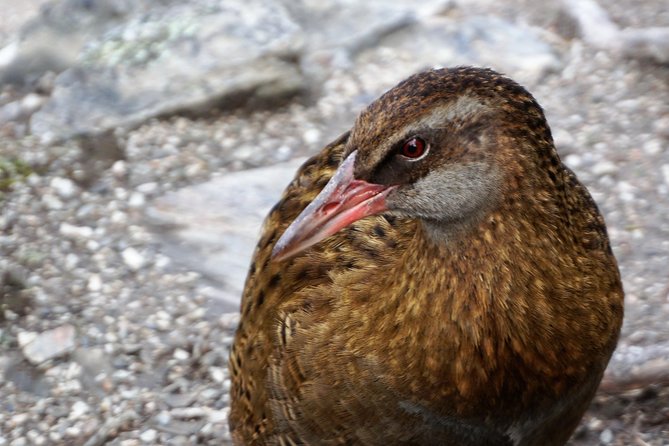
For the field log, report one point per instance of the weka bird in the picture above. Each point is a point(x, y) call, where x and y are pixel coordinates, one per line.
point(445, 280)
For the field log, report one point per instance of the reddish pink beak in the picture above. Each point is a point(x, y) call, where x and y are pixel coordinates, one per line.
point(342, 201)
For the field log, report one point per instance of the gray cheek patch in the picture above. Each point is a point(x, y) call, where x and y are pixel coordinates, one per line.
point(455, 192)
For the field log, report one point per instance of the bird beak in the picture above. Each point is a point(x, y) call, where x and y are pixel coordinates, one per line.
point(342, 201)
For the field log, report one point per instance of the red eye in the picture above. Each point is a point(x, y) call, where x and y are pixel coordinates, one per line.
point(414, 147)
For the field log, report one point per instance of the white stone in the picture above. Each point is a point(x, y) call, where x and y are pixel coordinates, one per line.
point(185, 413)
point(79, 408)
point(94, 283)
point(219, 416)
point(19, 419)
point(71, 261)
point(164, 418)
point(73, 231)
point(64, 187)
point(120, 168)
point(148, 436)
point(119, 217)
point(652, 147)
point(573, 161)
point(606, 436)
point(162, 261)
point(8, 54)
point(133, 259)
point(50, 344)
point(136, 200)
point(311, 136)
point(147, 188)
point(283, 153)
point(92, 245)
point(181, 354)
point(32, 102)
point(73, 431)
point(217, 374)
point(207, 429)
point(26, 337)
point(52, 202)
point(604, 167)
point(626, 191)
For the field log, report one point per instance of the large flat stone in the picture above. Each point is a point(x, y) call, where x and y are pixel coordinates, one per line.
point(212, 228)
point(174, 58)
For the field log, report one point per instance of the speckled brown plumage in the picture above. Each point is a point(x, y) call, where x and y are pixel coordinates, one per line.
point(480, 307)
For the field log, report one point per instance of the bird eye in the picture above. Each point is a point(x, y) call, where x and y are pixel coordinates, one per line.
point(414, 148)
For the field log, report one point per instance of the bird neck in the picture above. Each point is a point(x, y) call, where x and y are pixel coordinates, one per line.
point(496, 313)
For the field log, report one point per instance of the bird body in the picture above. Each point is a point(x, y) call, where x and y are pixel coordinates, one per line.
point(434, 276)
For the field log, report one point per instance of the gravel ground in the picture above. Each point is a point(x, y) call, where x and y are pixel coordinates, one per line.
point(149, 362)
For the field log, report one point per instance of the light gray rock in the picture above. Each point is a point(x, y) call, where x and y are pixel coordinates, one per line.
point(518, 50)
point(646, 43)
point(133, 259)
point(595, 26)
point(212, 227)
point(350, 26)
point(336, 31)
point(598, 30)
point(53, 39)
point(38, 348)
point(21, 109)
point(174, 58)
point(76, 232)
point(149, 436)
point(64, 187)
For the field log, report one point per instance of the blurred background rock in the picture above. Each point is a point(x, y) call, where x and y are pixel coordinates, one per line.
point(141, 143)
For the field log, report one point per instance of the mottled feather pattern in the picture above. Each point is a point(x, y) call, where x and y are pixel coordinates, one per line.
point(379, 335)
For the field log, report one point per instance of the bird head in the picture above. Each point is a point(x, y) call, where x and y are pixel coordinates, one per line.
point(443, 146)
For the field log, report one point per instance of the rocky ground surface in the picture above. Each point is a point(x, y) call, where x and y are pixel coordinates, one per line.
point(140, 149)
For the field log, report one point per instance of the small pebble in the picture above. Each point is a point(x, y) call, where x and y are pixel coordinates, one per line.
point(311, 136)
point(137, 200)
point(606, 436)
point(149, 436)
point(50, 344)
point(119, 168)
point(52, 202)
point(217, 374)
point(79, 409)
point(573, 161)
point(94, 283)
point(219, 416)
point(653, 147)
point(64, 187)
point(147, 188)
point(604, 168)
point(181, 354)
point(164, 418)
point(133, 259)
point(77, 232)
